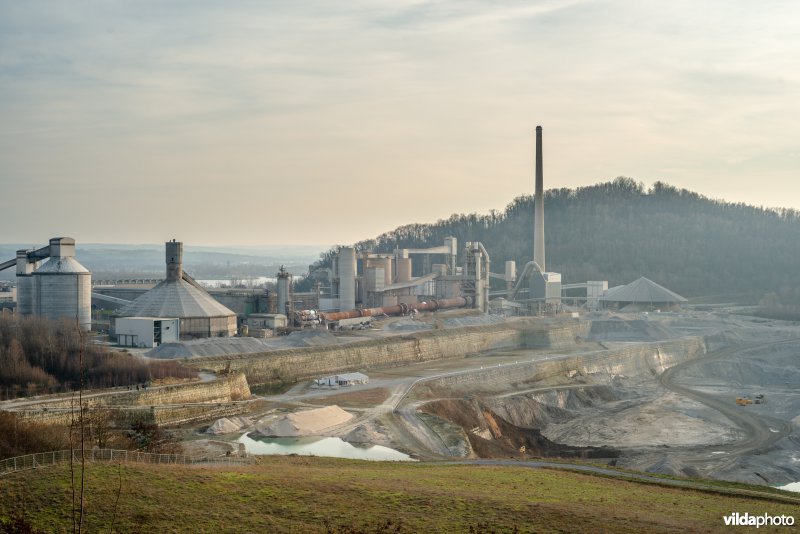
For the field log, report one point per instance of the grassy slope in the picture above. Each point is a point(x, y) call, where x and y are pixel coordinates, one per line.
point(285, 494)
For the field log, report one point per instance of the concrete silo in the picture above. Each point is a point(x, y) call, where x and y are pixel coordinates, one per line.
point(346, 269)
point(62, 287)
point(25, 270)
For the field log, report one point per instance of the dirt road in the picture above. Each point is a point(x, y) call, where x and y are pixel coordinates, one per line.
point(761, 431)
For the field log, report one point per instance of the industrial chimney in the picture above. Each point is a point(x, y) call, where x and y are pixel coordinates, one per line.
point(538, 206)
point(174, 260)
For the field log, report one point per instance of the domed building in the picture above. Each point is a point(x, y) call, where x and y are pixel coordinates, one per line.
point(179, 296)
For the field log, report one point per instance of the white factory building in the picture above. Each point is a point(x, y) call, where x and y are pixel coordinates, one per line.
point(147, 332)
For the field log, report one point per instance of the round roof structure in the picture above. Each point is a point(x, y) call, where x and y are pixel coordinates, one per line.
point(175, 298)
point(180, 297)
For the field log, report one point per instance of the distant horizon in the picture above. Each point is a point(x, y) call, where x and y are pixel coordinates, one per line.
point(324, 247)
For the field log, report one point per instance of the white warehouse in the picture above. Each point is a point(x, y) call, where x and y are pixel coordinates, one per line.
point(142, 332)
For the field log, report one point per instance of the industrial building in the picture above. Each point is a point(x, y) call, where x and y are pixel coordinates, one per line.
point(386, 279)
point(343, 380)
point(265, 324)
point(179, 296)
point(146, 332)
point(367, 284)
point(52, 284)
point(360, 284)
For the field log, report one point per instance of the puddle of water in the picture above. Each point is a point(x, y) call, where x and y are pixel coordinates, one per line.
point(319, 446)
point(794, 486)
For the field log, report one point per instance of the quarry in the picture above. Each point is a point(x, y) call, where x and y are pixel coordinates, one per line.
point(442, 366)
point(652, 392)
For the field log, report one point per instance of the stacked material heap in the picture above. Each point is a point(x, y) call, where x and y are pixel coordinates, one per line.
point(642, 291)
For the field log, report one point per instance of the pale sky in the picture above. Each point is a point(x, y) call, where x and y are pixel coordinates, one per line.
point(256, 122)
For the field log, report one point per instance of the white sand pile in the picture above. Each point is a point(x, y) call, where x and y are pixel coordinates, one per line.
point(228, 425)
point(306, 423)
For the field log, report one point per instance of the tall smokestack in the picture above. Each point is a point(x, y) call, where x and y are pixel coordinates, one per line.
point(538, 205)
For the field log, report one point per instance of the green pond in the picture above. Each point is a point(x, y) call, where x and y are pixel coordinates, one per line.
point(321, 446)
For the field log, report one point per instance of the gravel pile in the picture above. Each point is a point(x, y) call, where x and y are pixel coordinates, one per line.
point(228, 425)
point(305, 423)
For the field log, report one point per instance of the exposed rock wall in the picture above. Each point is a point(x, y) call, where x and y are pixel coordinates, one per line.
point(175, 404)
point(649, 358)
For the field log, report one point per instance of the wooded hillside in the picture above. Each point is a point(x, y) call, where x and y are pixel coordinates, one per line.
point(619, 231)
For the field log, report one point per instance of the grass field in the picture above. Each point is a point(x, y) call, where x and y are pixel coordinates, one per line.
point(300, 494)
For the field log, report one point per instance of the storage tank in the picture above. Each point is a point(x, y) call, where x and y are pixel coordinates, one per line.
point(403, 270)
point(452, 244)
point(386, 264)
point(62, 287)
point(347, 278)
point(25, 270)
point(511, 271)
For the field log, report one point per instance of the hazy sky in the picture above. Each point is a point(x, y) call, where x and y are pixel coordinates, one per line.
point(256, 122)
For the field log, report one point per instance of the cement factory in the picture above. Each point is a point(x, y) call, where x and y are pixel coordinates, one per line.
point(431, 352)
point(360, 286)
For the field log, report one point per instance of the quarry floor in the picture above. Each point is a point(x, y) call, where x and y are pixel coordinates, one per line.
point(683, 421)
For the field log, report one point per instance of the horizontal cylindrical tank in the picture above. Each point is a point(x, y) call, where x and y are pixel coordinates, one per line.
point(400, 309)
point(62, 287)
point(403, 270)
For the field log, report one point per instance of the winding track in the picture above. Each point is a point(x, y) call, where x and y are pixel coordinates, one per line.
point(761, 431)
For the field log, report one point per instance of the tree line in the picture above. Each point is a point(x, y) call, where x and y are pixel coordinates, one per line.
point(41, 356)
point(619, 231)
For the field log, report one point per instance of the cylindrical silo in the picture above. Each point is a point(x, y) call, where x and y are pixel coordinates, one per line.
point(511, 271)
point(452, 255)
point(403, 269)
point(24, 283)
point(386, 264)
point(347, 278)
point(283, 291)
point(62, 287)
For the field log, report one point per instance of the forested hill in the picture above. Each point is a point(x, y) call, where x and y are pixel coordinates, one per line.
point(619, 231)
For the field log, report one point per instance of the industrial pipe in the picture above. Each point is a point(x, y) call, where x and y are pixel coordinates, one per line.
point(399, 309)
